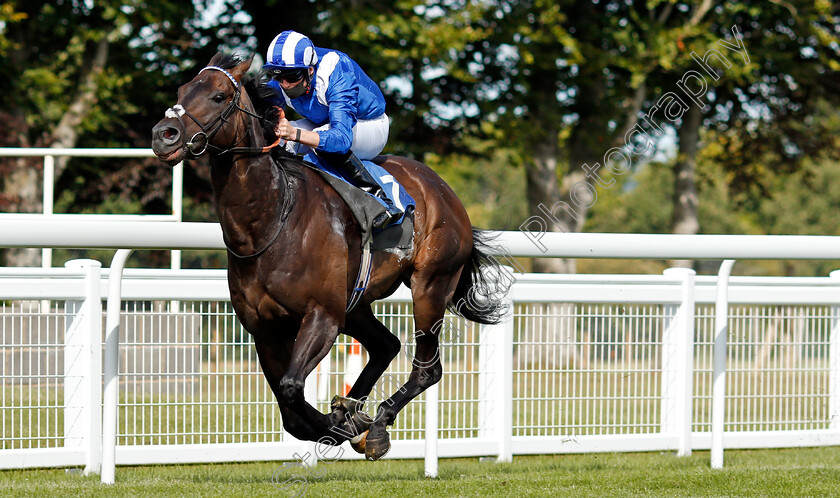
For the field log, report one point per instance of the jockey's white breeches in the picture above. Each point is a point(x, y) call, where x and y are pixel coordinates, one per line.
point(369, 136)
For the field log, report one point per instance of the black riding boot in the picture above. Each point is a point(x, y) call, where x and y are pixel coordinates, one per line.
point(361, 177)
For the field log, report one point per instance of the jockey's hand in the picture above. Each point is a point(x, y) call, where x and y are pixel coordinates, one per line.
point(284, 129)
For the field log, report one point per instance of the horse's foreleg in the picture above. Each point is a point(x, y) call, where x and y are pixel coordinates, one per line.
point(274, 356)
point(316, 336)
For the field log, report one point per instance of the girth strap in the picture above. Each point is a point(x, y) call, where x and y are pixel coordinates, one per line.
point(362, 279)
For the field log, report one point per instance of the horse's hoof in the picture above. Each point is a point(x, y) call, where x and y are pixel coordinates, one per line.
point(358, 420)
point(358, 442)
point(349, 404)
point(377, 448)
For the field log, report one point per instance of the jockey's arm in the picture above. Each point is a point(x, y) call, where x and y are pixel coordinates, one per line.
point(342, 99)
point(338, 138)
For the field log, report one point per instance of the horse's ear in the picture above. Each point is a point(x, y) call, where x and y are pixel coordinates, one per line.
point(242, 68)
point(215, 59)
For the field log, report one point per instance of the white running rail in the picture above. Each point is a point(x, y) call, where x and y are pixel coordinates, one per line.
point(678, 292)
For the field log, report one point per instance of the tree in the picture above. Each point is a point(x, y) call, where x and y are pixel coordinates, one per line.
point(85, 73)
point(774, 119)
point(568, 80)
point(788, 47)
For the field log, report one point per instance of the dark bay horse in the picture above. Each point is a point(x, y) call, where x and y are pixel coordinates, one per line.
point(294, 250)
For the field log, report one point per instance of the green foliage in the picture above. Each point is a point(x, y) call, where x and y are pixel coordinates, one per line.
point(802, 203)
point(150, 48)
point(491, 189)
point(638, 203)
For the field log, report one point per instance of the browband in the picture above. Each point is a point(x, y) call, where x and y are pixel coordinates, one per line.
point(230, 76)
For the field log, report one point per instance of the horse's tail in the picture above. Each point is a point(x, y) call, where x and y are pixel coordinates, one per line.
point(484, 284)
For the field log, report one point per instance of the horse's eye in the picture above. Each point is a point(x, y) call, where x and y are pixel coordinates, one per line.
point(219, 98)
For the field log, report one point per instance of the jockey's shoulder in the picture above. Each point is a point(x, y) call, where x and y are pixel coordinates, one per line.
point(333, 62)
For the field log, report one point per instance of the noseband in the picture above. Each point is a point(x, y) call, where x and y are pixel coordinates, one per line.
point(200, 141)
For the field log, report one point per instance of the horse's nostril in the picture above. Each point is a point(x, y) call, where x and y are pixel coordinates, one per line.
point(168, 134)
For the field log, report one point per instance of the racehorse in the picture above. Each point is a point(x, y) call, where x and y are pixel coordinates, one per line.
point(294, 250)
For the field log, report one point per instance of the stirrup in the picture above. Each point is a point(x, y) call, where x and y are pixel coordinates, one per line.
point(385, 219)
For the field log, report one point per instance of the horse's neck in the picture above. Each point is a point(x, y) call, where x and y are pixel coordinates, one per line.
point(243, 180)
point(249, 192)
point(249, 178)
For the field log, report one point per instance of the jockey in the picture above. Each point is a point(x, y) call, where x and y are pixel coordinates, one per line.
point(343, 110)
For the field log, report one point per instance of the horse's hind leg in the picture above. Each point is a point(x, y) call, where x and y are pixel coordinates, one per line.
point(382, 346)
point(426, 370)
point(380, 343)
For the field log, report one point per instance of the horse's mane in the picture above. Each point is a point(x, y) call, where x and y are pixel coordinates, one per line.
point(229, 61)
point(260, 93)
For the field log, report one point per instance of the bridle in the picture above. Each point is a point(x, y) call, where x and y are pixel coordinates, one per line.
point(209, 130)
point(200, 141)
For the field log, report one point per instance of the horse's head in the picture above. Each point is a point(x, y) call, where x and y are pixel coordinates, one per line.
point(205, 116)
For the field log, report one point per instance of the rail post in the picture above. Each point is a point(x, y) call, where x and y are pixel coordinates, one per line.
point(719, 374)
point(83, 367)
point(834, 363)
point(430, 458)
point(112, 362)
point(678, 363)
point(48, 203)
point(495, 367)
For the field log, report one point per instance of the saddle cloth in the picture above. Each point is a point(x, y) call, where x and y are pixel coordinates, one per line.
point(366, 207)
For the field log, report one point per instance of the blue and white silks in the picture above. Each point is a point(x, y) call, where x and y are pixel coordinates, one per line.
point(341, 94)
point(389, 184)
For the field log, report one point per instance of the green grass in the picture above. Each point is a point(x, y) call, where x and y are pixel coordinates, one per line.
point(788, 472)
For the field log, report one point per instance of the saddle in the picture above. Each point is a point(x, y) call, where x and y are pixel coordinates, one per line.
point(366, 207)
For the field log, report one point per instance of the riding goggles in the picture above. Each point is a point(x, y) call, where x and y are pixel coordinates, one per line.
point(288, 75)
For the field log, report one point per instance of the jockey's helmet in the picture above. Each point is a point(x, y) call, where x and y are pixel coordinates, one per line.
point(290, 50)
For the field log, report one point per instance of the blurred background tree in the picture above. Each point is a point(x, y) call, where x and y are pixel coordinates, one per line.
point(98, 74)
point(507, 100)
